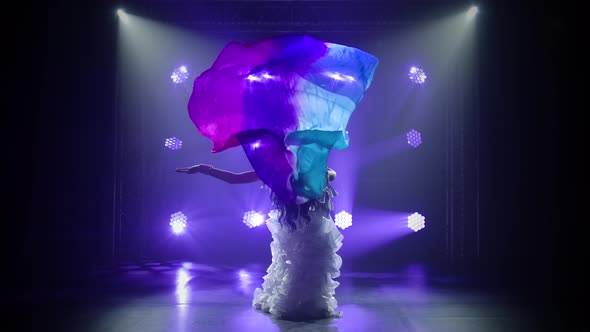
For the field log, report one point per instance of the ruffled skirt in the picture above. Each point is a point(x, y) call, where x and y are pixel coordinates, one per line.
point(299, 284)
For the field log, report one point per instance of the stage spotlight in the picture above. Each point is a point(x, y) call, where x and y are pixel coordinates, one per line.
point(416, 221)
point(173, 143)
point(178, 223)
point(343, 220)
point(414, 138)
point(253, 219)
point(122, 15)
point(472, 12)
point(179, 75)
point(417, 75)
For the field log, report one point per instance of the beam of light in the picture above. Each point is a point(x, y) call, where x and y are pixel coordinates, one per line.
point(343, 219)
point(384, 149)
point(414, 138)
point(447, 38)
point(179, 75)
point(416, 221)
point(375, 228)
point(472, 12)
point(417, 75)
point(178, 223)
point(347, 168)
point(253, 219)
point(122, 15)
point(173, 143)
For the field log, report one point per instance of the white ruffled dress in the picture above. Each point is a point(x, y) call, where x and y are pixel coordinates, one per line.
point(299, 284)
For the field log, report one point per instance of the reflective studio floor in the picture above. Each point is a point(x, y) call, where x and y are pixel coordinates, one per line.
point(183, 296)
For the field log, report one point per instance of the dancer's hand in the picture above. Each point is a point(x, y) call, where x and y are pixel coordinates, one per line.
point(200, 168)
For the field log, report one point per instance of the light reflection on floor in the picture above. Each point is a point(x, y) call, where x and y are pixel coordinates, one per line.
point(182, 297)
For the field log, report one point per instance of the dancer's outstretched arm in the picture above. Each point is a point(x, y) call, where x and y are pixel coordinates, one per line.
point(227, 176)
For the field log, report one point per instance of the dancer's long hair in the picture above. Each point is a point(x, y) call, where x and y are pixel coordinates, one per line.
point(297, 215)
point(293, 215)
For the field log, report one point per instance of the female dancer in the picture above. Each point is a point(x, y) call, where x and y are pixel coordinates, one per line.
point(299, 282)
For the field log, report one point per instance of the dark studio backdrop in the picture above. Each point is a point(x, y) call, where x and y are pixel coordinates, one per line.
point(60, 132)
point(381, 180)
